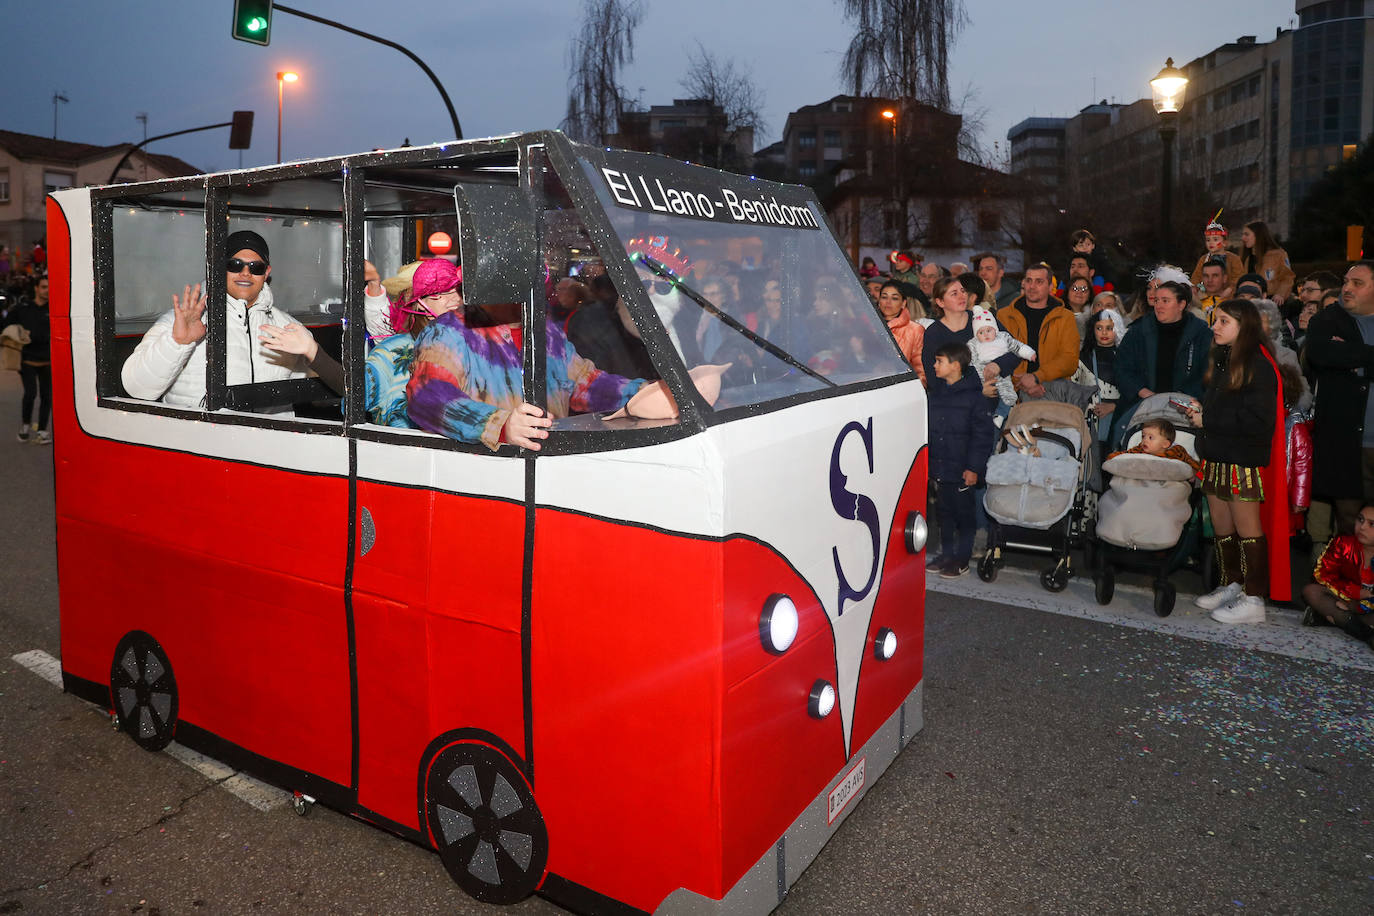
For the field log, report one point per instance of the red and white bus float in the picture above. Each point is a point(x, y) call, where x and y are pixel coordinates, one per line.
point(649, 668)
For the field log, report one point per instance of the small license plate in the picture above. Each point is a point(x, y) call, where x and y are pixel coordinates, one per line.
point(850, 785)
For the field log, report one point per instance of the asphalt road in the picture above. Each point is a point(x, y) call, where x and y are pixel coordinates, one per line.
point(1074, 759)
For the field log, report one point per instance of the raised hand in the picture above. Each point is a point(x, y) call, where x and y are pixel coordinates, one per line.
point(187, 328)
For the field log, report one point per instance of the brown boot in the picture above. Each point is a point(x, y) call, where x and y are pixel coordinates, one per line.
point(1230, 565)
point(1254, 553)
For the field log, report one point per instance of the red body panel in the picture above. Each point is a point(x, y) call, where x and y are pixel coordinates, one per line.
point(901, 607)
point(253, 623)
point(627, 690)
point(436, 609)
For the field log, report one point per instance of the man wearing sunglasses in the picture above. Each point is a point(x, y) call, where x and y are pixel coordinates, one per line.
point(169, 362)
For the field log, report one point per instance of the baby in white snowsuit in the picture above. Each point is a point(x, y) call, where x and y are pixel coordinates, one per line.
point(989, 343)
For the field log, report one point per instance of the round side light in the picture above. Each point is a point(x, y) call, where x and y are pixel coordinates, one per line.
point(884, 644)
point(778, 624)
point(916, 532)
point(822, 700)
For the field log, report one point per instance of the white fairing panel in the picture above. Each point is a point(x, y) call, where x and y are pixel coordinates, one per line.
point(818, 482)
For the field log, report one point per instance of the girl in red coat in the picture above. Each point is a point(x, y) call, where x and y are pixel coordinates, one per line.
point(1343, 593)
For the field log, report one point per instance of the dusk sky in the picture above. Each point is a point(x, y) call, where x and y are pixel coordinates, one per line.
point(505, 64)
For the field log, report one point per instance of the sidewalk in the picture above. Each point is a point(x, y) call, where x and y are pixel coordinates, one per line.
point(1018, 584)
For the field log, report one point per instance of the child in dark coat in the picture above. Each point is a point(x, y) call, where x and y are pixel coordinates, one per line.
point(961, 439)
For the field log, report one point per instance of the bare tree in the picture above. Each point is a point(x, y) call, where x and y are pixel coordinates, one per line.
point(602, 47)
point(732, 90)
point(975, 116)
point(900, 48)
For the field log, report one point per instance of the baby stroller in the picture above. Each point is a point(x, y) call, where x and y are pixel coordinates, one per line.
point(1037, 498)
point(1151, 516)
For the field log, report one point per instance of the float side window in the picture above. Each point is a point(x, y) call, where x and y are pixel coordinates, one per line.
point(255, 330)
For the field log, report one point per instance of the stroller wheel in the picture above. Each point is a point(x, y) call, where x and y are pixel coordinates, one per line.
point(987, 567)
point(1090, 553)
point(1164, 598)
point(1104, 585)
point(1055, 579)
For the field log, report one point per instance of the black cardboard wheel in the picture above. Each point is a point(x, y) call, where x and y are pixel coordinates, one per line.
point(144, 691)
point(485, 823)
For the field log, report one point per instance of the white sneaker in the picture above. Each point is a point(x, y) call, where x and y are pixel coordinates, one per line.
point(1249, 609)
point(44, 437)
point(1220, 597)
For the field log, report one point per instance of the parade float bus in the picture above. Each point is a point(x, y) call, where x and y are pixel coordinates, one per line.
point(649, 668)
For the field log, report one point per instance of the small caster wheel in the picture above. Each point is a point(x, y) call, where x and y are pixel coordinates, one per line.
point(1164, 599)
point(1055, 580)
point(1104, 585)
point(301, 803)
point(987, 567)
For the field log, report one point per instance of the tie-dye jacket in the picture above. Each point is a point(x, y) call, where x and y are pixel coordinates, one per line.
point(465, 381)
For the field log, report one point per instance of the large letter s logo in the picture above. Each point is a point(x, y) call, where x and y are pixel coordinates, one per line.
point(854, 506)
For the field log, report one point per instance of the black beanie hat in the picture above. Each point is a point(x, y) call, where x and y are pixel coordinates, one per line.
point(246, 238)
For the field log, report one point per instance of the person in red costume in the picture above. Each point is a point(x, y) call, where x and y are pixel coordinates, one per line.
point(1343, 593)
point(1245, 472)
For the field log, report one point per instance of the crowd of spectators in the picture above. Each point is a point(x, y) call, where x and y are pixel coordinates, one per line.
point(1311, 337)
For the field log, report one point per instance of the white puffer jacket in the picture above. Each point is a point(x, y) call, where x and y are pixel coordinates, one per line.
point(162, 369)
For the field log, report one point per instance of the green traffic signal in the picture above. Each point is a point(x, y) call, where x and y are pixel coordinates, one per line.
point(253, 21)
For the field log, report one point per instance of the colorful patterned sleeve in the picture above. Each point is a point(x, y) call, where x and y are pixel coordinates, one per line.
point(385, 375)
point(436, 395)
point(576, 379)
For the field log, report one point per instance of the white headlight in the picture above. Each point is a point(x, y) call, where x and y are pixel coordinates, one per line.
point(822, 700)
point(916, 532)
point(778, 624)
point(885, 644)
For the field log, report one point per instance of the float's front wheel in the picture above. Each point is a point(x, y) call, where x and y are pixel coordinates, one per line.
point(485, 823)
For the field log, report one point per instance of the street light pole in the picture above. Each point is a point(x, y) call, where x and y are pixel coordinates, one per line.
point(1168, 130)
point(898, 216)
point(1168, 89)
point(283, 77)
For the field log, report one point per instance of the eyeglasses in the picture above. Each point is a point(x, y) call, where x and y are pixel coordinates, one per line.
point(236, 265)
point(1080, 289)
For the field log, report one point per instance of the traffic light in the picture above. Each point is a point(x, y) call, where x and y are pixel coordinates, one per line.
point(253, 21)
point(241, 130)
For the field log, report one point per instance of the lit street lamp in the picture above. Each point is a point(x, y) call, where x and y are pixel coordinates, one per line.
point(1168, 89)
point(283, 77)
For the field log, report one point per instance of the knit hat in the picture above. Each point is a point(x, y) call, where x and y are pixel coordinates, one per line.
point(982, 318)
point(247, 238)
point(1255, 279)
point(434, 276)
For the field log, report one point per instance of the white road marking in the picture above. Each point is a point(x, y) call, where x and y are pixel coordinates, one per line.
point(1133, 606)
point(248, 789)
point(41, 664)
